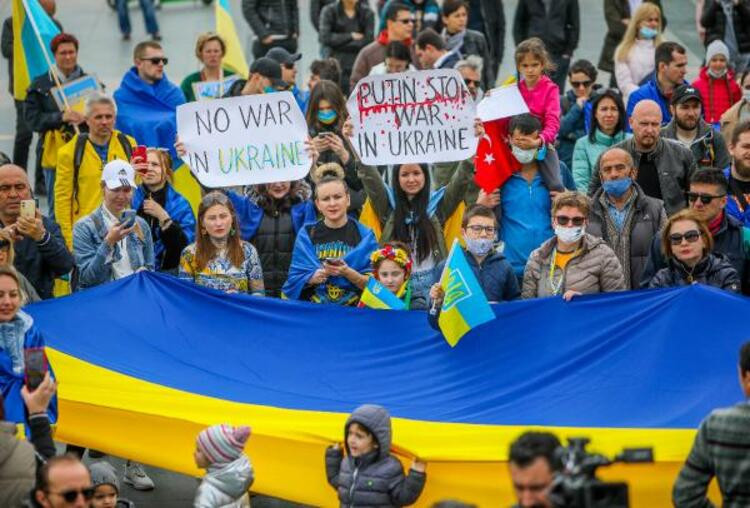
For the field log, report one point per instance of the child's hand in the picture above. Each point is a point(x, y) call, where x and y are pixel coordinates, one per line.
point(436, 292)
point(418, 466)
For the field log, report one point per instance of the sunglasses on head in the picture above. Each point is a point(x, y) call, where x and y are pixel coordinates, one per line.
point(705, 198)
point(578, 84)
point(564, 220)
point(70, 496)
point(691, 236)
point(469, 82)
point(158, 59)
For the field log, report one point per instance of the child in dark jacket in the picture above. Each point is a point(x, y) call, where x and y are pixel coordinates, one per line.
point(369, 475)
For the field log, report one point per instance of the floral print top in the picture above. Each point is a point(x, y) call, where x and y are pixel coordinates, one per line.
point(221, 274)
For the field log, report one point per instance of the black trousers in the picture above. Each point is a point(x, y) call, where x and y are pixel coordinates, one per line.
point(22, 142)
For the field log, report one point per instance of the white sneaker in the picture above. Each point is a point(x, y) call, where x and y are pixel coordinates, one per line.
point(136, 477)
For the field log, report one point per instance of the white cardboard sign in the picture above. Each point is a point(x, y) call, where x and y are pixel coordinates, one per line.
point(244, 140)
point(501, 102)
point(412, 117)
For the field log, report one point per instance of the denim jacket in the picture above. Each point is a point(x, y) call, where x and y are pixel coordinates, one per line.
point(94, 257)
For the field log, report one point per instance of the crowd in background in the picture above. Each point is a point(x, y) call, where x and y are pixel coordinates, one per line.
point(644, 183)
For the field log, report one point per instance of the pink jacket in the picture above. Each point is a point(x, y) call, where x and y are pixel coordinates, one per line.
point(544, 103)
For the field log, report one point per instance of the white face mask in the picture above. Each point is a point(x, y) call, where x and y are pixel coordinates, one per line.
point(523, 156)
point(569, 235)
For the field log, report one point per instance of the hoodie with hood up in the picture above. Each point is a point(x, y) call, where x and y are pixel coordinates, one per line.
point(375, 479)
point(225, 485)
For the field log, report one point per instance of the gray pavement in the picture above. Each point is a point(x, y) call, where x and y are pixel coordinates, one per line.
point(104, 53)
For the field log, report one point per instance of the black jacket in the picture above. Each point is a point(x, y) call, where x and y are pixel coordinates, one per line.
point(476, 44)
point(614, 12)
point(335, 33)
point(729, 241)
point(316, 7)
point(714, 21)
point(493, 18)
point(41, 262)
point(272, 17)
point(644, 228)
point(274, 242)
point(713, 270)
point(559, 29)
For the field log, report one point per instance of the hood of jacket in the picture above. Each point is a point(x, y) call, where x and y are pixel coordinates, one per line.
point(378, 421)
point(233, 478)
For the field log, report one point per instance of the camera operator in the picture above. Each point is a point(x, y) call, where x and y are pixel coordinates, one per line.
point(720, 450)
point(533, 464)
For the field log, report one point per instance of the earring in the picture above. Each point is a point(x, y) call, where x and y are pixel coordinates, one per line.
point(231, 232)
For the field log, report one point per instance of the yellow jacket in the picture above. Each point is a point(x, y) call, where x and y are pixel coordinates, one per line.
point(68, 210)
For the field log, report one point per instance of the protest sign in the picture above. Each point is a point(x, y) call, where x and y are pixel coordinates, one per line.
point(244, 140)
point(412, 117)
point(208, 90)
point(501, 102)
point(76, 92)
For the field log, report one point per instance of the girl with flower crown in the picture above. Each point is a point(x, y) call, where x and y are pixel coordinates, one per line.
point(391, 266)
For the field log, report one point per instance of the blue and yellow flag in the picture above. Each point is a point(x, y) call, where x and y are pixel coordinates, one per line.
point(234, 58)
point(33, 30)
point(464, 305)
point(377, 296)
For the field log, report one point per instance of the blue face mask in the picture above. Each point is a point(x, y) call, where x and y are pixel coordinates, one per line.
point(268, 89)
point(648, 32)
point(616, 188)
point(327, 117)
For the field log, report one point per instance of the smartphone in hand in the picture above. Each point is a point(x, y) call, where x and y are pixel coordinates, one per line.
point(139, 154)
point(127, 219)
point(333, 261)
point(35, 367)
point(28, 208)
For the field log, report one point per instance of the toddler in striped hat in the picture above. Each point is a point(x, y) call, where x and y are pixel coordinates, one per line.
point(229, 474)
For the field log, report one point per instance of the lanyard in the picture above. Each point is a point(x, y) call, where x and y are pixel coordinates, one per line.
point(556, 286)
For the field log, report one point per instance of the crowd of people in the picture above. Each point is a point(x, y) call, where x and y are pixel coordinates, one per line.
point(644, 183)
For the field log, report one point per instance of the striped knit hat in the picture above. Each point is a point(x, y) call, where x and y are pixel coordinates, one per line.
point(223, 443)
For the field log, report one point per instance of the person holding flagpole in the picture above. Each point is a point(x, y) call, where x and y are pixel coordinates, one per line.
point(572, 262)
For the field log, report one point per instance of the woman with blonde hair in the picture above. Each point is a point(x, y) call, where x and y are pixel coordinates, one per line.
point(166, 211)
point(634, 57)
point(210, 49)
point(219, 258)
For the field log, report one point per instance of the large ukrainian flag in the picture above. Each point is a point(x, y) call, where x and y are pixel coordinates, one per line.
point(146, 362)
point(33, 30)
point(234, 57)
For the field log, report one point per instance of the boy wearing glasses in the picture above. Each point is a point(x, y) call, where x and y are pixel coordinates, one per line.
point(572, 262)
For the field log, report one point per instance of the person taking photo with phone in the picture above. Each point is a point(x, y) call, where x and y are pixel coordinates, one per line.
point(112, 242)
point(22, 359)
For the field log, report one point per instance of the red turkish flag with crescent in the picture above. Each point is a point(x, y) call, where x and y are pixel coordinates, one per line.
point(494, 162)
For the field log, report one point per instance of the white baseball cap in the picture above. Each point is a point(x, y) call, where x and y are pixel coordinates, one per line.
point(118, 173)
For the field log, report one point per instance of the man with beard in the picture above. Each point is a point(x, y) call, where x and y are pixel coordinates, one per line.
point(533, 463)
point(689, 128)
point(738, 174)
point(664, 165)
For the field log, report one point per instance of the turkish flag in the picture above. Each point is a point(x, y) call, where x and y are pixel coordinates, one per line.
point(494, 162)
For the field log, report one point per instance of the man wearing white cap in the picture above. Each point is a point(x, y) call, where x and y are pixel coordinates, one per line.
point(112, 242)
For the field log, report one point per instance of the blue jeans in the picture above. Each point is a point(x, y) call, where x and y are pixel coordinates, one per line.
point(49, 183)
point(149, 15)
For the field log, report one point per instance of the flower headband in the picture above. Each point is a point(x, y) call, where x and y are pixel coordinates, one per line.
point(397, 255)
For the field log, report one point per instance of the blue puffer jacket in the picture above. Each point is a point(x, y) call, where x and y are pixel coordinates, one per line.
point(650, 90)
point(375, 479)
point(733, 208)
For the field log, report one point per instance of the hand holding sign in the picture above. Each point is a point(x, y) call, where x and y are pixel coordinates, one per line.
point(412, 117)
point(244, 140)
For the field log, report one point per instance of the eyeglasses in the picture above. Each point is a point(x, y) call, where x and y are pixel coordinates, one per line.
point(158, 60)
point(705, 198)
point(470, 82)
point(407, 21)
point(564, 220)
point(691, 236)
point(578, 84)
point(70, 496)
point(476, 229)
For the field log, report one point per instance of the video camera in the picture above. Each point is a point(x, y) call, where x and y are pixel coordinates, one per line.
point(577, 486)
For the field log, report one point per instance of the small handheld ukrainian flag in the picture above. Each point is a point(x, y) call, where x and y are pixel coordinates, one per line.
point(377, 296)
point(464, 305)
point(33, 30)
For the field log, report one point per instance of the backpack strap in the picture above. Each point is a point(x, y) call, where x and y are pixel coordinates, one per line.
point(125, 144)
point(78, 153)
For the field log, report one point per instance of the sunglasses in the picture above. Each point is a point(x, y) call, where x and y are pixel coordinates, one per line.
point(705, 198)
point(490, 230)
point(578, 84)
point(691, 236)
point(564, 220)
point(70, 496)
point(470, 82)
point(158, 60)
point(409, 21)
